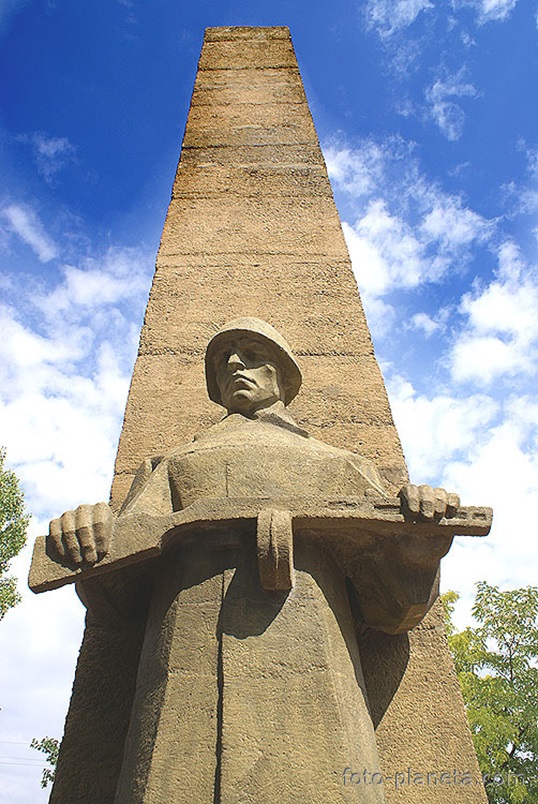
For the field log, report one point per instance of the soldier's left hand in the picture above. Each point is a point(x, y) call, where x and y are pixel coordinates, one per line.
point(426, 503)
point(81, 536)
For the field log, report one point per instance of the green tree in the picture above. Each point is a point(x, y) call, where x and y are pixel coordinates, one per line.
point(497, 668)
point(13, 527)
point(50, 746)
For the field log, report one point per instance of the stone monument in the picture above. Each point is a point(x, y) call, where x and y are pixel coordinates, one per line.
point(252, 587)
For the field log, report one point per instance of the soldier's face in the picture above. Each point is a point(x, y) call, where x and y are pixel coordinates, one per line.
point(247, 375)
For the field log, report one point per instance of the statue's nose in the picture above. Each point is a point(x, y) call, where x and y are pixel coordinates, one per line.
point(235, 361)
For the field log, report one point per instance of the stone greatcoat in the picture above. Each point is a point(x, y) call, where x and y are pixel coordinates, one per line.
point(243, 694)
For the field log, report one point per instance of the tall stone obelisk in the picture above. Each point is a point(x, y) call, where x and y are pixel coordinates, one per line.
point(252, 229)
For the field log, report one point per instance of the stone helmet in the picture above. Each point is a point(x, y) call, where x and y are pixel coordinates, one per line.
point(290, 372)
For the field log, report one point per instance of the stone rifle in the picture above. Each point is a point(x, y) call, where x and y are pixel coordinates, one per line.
point(388, 542)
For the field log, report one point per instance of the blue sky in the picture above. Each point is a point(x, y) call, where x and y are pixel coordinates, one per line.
point(427, 116)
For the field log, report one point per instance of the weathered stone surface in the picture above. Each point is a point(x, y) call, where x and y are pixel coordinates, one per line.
point(244, 53)
point(253, 168)
point(258, 173)
point(211, 126)
point(219, 87)
point(332, 287)
point(98, 718)
point(170, 749)
point(253, 225)
point(266, 751)
point(401, 673)
point(224, 253)
point(239, 33)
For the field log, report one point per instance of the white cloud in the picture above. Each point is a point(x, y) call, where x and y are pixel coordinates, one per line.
point(64, 379)
point(501, 471)
point(453, 225)
point(500, 336)
point(467, 40)
point(24, 350)
point(447, 114)
point(485, 449)
point(435, 430)
point(42, 637)
point(507, 307)
point(389, 16)
point(481, 359)
point(358, 171)
point(424, 322)
point(60, 426)
point(51, 153)
point(25, 223)
point(522, 198)
point(407, 232)
point(384, 251)
point(65, 364)
point(494, 10)
point(120, 275)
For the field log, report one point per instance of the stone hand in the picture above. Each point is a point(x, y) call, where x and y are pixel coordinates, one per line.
point(83, 535)
point(426, 503)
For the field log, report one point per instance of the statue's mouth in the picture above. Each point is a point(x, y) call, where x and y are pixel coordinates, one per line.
point(241, 381)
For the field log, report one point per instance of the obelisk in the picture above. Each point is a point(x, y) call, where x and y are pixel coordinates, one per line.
point(252, 229)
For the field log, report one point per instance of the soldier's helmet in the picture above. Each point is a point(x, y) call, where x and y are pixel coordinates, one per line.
point(290, 372)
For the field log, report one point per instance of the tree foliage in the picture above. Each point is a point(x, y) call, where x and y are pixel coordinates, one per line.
point(497, 668)
point(50, 746)
point(13, 527)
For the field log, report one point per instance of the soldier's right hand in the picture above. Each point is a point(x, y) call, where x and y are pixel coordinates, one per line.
point(83, 535)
